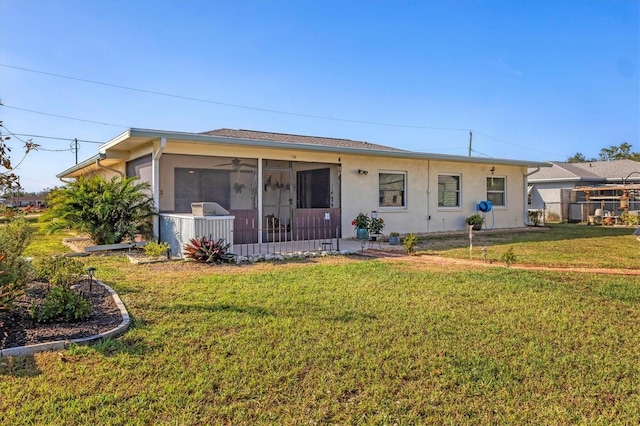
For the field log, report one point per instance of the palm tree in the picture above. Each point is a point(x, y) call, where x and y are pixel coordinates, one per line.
point(110, 211)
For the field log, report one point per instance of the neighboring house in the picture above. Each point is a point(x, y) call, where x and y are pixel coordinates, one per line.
point(282, 180)
point(553, 189)
point(23, 201)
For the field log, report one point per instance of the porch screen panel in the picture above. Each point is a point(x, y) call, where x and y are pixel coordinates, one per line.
point(195, 185)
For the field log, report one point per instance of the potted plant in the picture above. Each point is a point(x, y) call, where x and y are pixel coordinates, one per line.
point(375, 227)
point(475, 221)
point(362, 223)
point(394, 238)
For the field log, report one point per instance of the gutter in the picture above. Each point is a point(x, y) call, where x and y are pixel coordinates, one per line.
point(150, 135)
point(102, 157)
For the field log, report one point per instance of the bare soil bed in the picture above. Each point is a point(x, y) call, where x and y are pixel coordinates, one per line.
point(18, 329)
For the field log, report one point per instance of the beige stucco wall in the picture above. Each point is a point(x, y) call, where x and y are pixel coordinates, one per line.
point(422, 214)
point(355, 192)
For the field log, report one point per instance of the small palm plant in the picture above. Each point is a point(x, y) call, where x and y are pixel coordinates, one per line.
point(110, 211)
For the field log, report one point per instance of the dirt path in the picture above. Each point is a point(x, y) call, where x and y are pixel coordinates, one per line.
point(441, 260)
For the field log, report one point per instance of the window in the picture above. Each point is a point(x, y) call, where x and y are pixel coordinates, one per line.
point(448, 191)
point(496, 191)
point(392, 189)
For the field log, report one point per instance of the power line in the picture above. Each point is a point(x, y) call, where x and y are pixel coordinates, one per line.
point(207, 101)
point(519, 146)
point(65, 117)
point(38, 147)
point(58, 138)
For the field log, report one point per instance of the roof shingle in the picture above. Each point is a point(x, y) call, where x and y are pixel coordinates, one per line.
point(298, 139)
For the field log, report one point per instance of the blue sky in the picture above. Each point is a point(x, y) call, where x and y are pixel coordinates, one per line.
point(533, 80)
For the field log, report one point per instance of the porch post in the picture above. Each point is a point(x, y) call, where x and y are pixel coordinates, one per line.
point(155, 188)
point(260, 186)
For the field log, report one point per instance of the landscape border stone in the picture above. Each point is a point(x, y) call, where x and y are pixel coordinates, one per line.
point(64, 344)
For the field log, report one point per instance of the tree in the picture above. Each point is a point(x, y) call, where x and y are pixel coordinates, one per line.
point(579, 158)
point(110, 211)
point(620, 152)
point(8, 179)
point(15, 236)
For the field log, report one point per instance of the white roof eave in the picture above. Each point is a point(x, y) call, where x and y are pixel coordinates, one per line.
point(201, 138)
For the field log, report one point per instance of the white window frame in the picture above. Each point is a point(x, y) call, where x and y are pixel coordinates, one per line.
point(404, 190)
point(459, 191)
point(503, 192)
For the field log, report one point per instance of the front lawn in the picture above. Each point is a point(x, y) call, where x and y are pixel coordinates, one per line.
point(345, 340)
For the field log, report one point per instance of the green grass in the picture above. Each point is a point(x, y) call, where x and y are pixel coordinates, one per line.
point(558, 245)
point(348, 341)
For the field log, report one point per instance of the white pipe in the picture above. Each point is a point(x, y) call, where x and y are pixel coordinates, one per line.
point(525, 192)
point(428, 194)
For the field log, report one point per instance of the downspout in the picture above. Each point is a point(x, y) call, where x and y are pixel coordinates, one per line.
point(102, 157)
point(155, 186)
point(525, 192)
point(428, 193)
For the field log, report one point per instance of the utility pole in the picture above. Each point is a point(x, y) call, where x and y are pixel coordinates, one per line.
point(470, 142)
point(75, 148)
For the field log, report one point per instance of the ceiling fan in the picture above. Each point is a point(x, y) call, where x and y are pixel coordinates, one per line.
point(236, 164)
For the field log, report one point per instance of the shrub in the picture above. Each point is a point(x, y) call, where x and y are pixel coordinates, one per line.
point(60, 270)
point(15, 236)
point(203, 249)
point(156, 248)
point(376, 226)
point(630, 219)
point(14, 270)
point(409, 242)
point(474, 219)
point(509, 257)
point(109, 211)
point(61, 305)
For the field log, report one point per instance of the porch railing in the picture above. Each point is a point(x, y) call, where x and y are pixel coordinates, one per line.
point(304, 233)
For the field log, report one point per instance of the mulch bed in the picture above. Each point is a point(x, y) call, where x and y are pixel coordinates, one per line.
point(18, 329)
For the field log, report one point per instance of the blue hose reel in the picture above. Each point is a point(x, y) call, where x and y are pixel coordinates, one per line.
point(484, 206)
